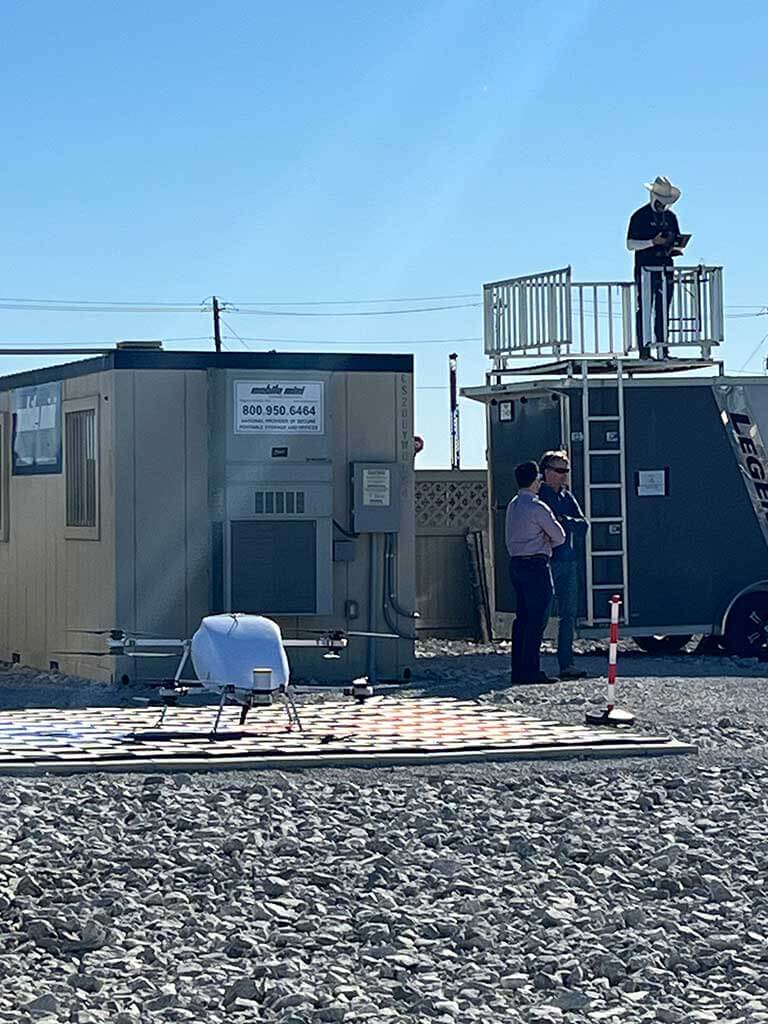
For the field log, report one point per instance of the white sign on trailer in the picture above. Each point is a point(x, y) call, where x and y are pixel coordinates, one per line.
point(279, 407)
point(651, 483)
point(376, 487)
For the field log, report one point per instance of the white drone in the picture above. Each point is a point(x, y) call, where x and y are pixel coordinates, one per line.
point(241, 657)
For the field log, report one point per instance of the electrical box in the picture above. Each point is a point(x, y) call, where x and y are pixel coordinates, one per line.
point(375, 497)
point(343, 551)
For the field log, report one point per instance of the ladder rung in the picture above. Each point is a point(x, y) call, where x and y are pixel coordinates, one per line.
point(616, 486)
point(604, 554)
point(603, 451)
point(603, 419)
point(608, 586)
point(606, 519)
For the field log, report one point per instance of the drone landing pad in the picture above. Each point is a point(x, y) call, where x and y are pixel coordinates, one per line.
point(381, 731)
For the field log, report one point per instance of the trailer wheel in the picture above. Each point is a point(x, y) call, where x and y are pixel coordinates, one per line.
point(671, 644)
point(746, 628)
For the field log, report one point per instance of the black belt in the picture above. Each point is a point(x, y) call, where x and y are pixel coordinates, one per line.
point(528, 558)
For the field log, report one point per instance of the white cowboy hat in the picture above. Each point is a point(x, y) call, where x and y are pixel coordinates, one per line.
point(663, 190)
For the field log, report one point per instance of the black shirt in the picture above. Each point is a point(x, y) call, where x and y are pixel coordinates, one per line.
point(645, 224)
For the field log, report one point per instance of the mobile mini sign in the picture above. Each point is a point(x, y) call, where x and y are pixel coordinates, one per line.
point(279, 407)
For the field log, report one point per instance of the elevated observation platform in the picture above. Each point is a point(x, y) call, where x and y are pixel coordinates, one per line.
point(572, 327)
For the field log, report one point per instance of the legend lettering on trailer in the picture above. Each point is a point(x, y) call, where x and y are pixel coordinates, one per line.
point(279, 407)
point(747, 443)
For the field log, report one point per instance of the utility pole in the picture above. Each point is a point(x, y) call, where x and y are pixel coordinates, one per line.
point(216, 325)
point(452, 374)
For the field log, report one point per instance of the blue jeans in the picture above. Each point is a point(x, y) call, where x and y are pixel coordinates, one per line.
point(532, 581)
point(566, 579)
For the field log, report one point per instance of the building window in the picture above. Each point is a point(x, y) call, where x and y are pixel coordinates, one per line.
point(36, 429)
point(81, 467)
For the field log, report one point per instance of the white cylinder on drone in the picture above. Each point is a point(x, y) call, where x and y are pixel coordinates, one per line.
point(227, 648)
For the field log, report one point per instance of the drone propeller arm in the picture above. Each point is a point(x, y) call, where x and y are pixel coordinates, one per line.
point(139, 643)
point(328, 640)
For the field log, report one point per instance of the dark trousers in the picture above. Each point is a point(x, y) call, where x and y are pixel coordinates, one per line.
point(660, 314)
point(565, 576)
point(532, 580)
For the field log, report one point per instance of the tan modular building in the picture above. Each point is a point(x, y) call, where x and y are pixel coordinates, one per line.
point(144, 489)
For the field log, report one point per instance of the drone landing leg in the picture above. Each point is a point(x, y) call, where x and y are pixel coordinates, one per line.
point(290, 708)
point(185, 650)
point(219, 711)
point(246, 707)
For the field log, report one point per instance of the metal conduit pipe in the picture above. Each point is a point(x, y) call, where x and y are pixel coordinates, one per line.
point(391, 562)
point(387, 589)
point(392, 625)
point(373, 591)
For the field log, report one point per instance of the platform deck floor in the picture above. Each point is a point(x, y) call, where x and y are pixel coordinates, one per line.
point(382, 731)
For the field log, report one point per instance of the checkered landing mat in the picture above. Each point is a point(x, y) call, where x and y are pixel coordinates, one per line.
point(381, 731)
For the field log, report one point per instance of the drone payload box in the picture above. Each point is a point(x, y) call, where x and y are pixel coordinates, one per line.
point(237, 649)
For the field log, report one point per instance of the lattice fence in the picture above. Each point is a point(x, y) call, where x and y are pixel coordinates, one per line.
point(452, 505)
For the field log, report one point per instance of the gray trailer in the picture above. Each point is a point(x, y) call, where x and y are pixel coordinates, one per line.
point(667, 455)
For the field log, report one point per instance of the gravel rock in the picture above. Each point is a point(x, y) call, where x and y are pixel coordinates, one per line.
point(621, 891)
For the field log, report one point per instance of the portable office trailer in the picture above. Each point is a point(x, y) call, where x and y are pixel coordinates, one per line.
point(669, 465)
point(144, 489)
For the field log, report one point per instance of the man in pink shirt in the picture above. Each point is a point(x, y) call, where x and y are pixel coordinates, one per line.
point(531, 532)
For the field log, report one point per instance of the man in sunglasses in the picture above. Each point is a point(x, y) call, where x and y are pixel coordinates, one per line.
point(555, 469)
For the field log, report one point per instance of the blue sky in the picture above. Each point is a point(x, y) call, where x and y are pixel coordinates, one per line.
point(169, 151)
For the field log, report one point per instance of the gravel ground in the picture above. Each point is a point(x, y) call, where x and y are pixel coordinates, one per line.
point(543, 892)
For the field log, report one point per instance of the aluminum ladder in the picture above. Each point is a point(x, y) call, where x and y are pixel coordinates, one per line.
point(605, 502)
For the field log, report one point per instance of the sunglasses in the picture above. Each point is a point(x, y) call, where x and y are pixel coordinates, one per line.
point(560, 469)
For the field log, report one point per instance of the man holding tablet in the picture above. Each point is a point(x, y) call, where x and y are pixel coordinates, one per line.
point(654, 237)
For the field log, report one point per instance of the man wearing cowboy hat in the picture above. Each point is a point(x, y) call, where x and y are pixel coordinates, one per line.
point(652, 233)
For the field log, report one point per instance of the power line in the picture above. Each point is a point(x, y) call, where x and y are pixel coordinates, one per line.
point(104, 302)
point(251, 308)
point(97, 307)
point(363, 302)
point(199, 337)
point(755, 351)
point(233, 331)
point(230, 308)
point(77, 306)
point(288, 302)
point(105, 344)
point(336, 341)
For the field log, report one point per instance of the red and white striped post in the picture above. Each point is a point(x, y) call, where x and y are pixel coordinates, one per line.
point(612, 715)
point(613, 651)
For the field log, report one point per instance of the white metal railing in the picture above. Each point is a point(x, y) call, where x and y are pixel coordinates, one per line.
point(688, 307)
point(528, 315)
point(549, 315)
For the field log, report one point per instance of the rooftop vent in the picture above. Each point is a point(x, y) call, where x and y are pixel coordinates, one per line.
point(154, 346)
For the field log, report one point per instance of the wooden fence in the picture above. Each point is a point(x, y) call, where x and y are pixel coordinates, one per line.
point(450, 586)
